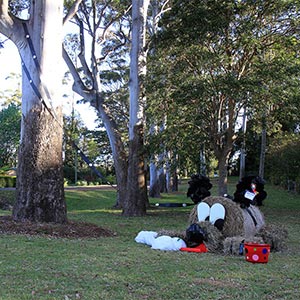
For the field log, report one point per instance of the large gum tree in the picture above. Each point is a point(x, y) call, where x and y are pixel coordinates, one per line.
point(37, 33)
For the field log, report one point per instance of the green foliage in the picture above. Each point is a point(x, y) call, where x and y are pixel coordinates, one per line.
point(10, 127)
point(212, 58)
point(7, 181)
point(283, 159)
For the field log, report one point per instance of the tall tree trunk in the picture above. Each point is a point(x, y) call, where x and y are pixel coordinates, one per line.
point(154, 189)
point(263, 149)
point(136, 198)
point(243, 148)
point(118, 152)
point(162, 180)
point(202, 168)
point(40, 190)
point(223, 175)
point(222, 140)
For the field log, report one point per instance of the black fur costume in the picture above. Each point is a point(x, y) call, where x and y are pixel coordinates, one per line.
point(199, 188)
point(253, 185)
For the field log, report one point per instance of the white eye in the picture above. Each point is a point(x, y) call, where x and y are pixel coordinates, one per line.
point(217, 212)
point(203, 211)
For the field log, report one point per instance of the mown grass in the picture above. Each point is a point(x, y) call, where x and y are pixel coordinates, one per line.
point(119, 268)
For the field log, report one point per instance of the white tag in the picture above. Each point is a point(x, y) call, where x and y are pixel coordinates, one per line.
point(249, 195)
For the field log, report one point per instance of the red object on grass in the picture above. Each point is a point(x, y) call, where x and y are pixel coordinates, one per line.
point(200, 249)
point(257, 253)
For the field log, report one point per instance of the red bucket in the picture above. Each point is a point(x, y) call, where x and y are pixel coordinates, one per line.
point(257, 253)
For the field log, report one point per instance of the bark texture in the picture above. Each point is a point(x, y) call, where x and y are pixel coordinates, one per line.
point(40, 191)
point(137, 200)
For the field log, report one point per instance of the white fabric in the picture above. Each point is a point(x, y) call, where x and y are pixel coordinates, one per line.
point(146, 237)
point(163, 242)
point(168, 243)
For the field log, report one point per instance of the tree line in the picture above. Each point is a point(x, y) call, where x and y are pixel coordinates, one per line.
point(170, 81)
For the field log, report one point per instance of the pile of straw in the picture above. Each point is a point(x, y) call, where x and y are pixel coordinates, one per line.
point(275, 236)
point(232, 245)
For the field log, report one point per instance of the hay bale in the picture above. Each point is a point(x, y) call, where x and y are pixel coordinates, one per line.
point(275, 236)
point(250, 228)
point(234, 220)
point(232, 245)
point(215, 238)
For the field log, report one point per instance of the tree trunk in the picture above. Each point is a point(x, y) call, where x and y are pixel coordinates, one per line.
point(118, 152)
point(136, 198)
point(162, 180)
point(121, 168)
point(40, 184)
point(154, 190)
point(223, 175)
point(202, 168)
point(154, 187)
point(263, 151)
point(243, 148)
point(40, 190)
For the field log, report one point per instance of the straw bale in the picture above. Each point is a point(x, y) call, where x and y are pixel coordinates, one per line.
point(231, 245)
point(275, 236)
point(214, 237)
point(234, 221)
point(250, 229)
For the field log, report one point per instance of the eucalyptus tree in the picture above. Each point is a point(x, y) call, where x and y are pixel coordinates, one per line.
point(36, 31)
point(100, 72)
point(107, 33)
point(211, 54)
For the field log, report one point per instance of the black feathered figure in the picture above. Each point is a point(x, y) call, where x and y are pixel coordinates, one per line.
point(250, 190)
point(199, 187)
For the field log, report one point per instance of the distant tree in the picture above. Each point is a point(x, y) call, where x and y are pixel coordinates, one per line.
point(10, 127)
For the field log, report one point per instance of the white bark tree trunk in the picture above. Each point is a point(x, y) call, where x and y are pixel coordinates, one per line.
point(40, 191)
point(136, 198)
point(263, 149)
point(243, 148)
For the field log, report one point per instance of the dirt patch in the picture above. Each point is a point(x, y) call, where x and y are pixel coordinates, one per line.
point(72, 229)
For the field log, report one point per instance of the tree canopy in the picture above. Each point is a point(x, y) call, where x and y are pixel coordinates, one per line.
point(213, 58)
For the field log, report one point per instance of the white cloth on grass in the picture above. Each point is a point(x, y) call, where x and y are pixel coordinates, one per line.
point(168, 243)
point(163, 242)
point(146, 237)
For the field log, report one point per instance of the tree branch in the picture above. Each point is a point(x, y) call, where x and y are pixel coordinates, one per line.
point(11, 26)
point(6, 22)
point(78, 86)
point(72, 12)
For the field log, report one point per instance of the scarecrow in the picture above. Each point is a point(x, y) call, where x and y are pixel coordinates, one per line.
point(220, 224)
point(228, 222)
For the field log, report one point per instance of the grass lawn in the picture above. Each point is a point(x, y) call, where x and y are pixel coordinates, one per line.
point(33, 267)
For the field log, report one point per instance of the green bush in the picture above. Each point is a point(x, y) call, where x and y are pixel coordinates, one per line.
point(7, 181)
point(283, 160)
